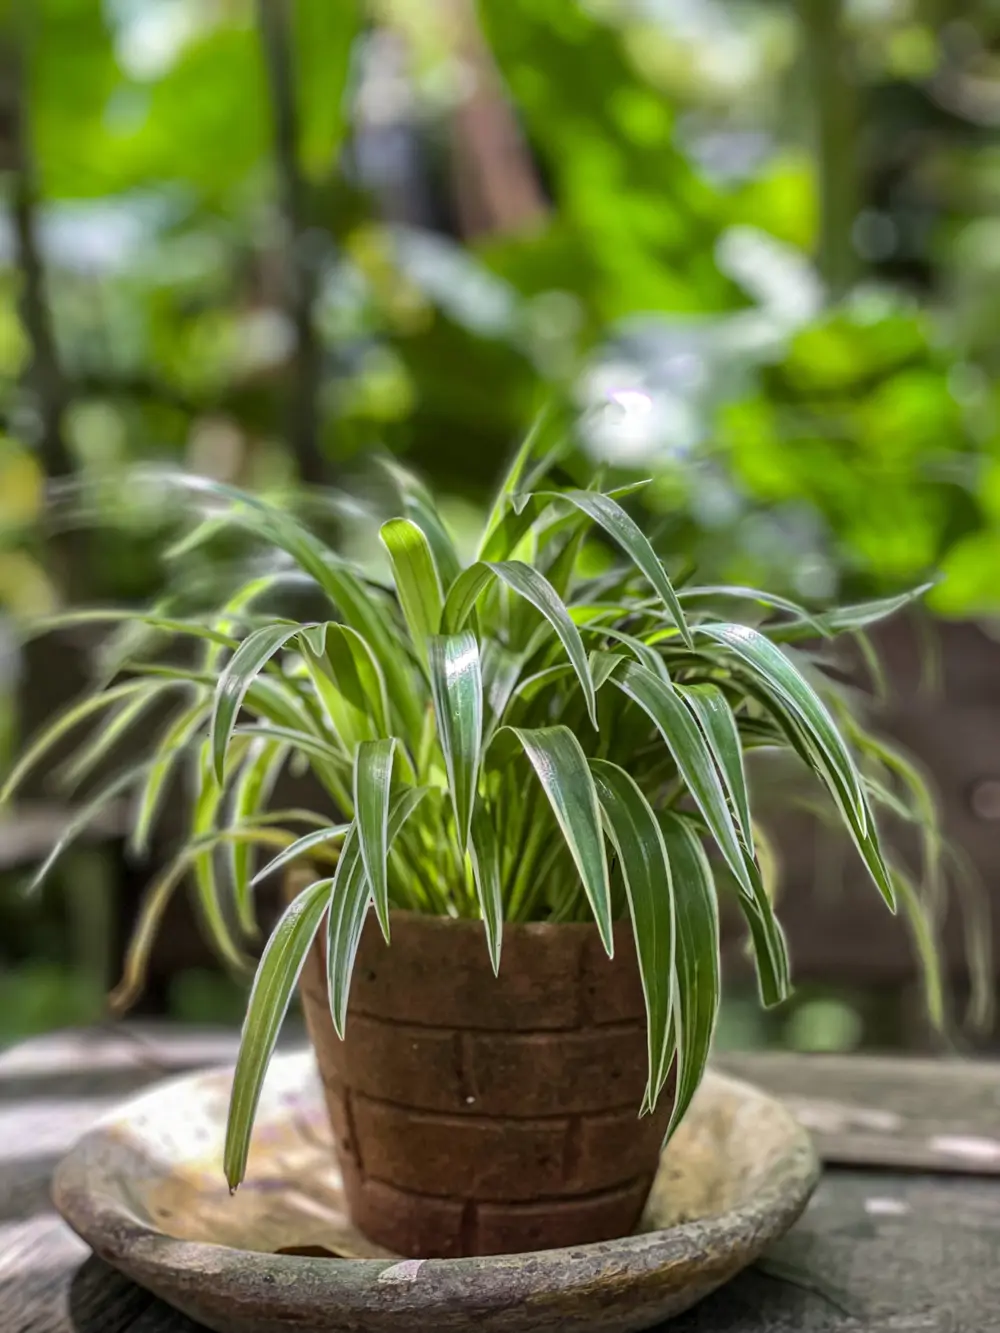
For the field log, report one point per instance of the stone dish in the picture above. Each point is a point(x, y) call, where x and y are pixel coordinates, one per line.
point(145, 1189)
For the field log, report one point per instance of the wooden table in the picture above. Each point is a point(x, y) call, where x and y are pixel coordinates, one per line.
point(903, 1234)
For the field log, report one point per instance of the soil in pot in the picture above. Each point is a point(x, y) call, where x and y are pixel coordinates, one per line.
point(476, 1114)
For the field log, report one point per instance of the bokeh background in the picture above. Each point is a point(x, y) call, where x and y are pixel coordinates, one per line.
point(753, 246)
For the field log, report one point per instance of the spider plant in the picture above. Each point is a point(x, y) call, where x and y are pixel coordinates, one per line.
point(505, 740)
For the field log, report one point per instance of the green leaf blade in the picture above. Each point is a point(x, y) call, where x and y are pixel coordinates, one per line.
point(373, 762)
point(694, 761)
point(418, 585)
point(698, 968)
point(638, 841)
point(277, 975)
point(457, 689)
point(240, 672)
point(485, 856)
point(779, 675)
point(562, 769)
point(608, 514)
point(711, 711)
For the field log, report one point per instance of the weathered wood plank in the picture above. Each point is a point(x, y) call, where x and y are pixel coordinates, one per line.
point(932, 1115)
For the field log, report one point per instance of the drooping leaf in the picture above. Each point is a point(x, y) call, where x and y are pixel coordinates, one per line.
point(300, 849)
point(85, 760)
point(274, 983)
point(696, 1004)
point(802, 741)
point(848, 619)
point(537, 590)
point(608, 514)
point(54, 731)
point(251, 791)
point(770, 950)
point(638, 841)
point(715, 718)
point(207, 802)
point(561, 766)
point(372, 782)
point(780, 677)
point(350, 902)
point(737, 593)
point(84, 817)
point(235, 680)
point(692, 756)
point(457, 688)
point(179, 734)
point(928, 951)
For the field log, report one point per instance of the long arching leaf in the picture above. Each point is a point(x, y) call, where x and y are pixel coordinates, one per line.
point(638, 841)
point(696, 1006)
point(84, 817)
point(457, 688)
point(300, 849)
point(276, 978)
point(692, 756)
point(780, 676)
point(713, 714)
point(179, 734)
point(372, 782)
point(558, 760)
point(534, 588)
point(240, 672)
point(350, 902)
point(66, 721)
point(417, 583)
point(251, 792)
point(609, 515)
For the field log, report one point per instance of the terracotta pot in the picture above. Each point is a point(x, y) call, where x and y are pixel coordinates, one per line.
point(476, 1114)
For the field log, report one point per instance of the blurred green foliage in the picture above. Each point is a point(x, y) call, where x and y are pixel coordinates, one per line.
point(659, 134)
point(673, 289)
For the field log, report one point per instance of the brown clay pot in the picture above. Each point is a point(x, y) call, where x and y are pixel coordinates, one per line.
point(476, 1114)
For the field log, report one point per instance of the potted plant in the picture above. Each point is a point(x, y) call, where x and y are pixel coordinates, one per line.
point(507, 935)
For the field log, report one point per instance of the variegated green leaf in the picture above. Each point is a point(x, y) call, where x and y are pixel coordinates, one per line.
point(696, 1003)
point(485, 856)
point(638, 842)
point(274, 983)
point(372, 783)
point(537, 590)
point(417, 583)
point(251, 792)
point(235, 680)
point(561, 766)
point(457, 689)
point(350, 902)
point(692, 756)
point(608, 514)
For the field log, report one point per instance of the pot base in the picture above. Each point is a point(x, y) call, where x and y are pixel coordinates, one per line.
point(145, 1189)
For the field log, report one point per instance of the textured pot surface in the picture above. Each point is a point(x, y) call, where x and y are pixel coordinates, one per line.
point(476, 1114)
